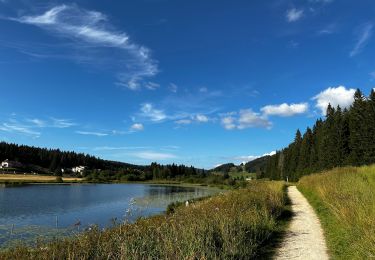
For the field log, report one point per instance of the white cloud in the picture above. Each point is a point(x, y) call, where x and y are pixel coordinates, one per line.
point(246, 118)
point(329, 29)
point(151, 155)
point(19, 129)
point(228, 122)
point(173, 87)
point(99, 134)
point(152, 85)
point(112, 148)
point(92, 29)
point(183, 122)
point(201, 118)
point(137, 127)
point(372, 74)
point(285, 109)
point(61, 123)
point(365, 33)
point(203, 90)
point(31, 127)
point(334, 96)
point(293, 14)
point(37, 122)
point(153, 114)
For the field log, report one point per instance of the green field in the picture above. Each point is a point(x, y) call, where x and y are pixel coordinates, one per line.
point(232, 225)
point(344, 199)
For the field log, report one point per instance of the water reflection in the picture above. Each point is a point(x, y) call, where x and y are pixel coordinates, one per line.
point(38, 209)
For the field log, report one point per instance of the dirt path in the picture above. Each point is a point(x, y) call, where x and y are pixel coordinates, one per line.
point(304, 238)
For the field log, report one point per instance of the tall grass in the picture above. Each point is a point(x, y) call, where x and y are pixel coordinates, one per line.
point(344, 199)
point(232, 225)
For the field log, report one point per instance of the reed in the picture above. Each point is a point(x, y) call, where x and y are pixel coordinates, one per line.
point(232, 225)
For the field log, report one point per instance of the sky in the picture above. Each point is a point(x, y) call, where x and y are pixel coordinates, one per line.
point(195, 82)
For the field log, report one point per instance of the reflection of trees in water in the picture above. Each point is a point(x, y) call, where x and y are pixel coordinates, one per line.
point(161, 196)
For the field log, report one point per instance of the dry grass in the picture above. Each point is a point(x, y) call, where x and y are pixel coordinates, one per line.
point(345, 201)
point(228, 226)
point(33, 178)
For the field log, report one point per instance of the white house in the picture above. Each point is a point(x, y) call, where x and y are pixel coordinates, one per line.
point(10, 164)
point(79, 169)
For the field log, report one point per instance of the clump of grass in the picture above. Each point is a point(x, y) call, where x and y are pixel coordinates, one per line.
point(344, 199)
point(232, 225)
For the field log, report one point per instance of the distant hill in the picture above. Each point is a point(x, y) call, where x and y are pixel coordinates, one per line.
point(224, 168)
point(257, 165)
point(52, 161)
point(45, 160)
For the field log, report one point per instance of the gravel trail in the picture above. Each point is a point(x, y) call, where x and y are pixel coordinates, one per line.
point(304, 238)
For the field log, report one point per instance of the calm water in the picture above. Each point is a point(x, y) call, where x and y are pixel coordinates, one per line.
point(29, 211)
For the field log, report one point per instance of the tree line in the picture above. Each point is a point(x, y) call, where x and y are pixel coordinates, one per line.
point(344, 137)
point(53, 160)
point(43, 160)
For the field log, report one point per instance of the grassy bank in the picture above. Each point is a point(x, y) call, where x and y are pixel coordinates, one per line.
point(344, 199)
point(30, 178)
point(233, 225)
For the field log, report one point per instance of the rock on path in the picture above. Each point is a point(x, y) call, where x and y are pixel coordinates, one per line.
point(304, 238)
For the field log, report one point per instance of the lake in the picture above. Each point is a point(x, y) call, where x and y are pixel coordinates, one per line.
point(48, 211)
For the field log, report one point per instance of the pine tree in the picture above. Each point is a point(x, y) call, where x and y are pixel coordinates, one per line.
point(357, 129)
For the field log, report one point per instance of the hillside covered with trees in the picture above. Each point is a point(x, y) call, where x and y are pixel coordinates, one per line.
point(345, 137)
point(47, 161)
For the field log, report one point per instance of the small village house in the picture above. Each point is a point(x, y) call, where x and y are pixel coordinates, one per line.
point(79, 169)
point(6, 164)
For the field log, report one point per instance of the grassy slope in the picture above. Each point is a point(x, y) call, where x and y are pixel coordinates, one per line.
point(344, 199)
point(232, 225)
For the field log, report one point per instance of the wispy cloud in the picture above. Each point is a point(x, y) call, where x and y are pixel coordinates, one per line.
point(198, 118)
point(285, 109)
point(19, 129)
point(117, 148)
point(201, 118)
point(33, 126)
point(173, 87)
point(294, 14)
point(184, 121)
point(329, 29)
point(62, 123)
point(155, 115)
point(364, 35)
point(151, 155)
point(37, 122)
point(152, 85)
point(92, 33)
point(99, 134)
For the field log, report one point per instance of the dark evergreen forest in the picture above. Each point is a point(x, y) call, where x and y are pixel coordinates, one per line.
point(47, 161)
point(344, 137)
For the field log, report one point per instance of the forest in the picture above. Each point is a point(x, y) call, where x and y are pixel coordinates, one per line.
point(345, 137)
point(51, 161)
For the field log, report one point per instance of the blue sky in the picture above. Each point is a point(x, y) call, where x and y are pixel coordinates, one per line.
point(193, 82)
